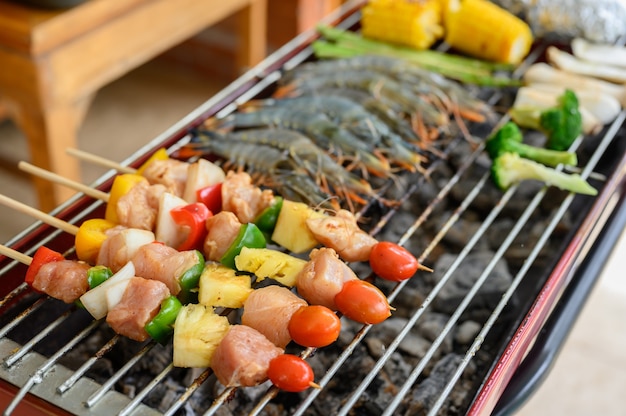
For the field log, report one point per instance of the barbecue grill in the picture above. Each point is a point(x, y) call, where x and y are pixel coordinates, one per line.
point(472, 346)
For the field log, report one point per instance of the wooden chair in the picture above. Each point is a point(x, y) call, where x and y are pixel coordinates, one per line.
point(52, 62)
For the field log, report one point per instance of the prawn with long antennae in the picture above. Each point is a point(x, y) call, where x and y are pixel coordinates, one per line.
point(453, 96)
point(325, 133)
point(384, 88)
point(283, 159)
point(355, 118)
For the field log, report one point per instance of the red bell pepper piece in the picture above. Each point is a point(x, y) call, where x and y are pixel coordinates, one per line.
point(194, 217)
point(42, 256)
point(211, 196)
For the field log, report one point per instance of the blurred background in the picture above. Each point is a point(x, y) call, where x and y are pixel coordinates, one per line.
point(590, 374)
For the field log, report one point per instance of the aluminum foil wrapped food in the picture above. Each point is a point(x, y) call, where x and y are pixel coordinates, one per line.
point(595, 20)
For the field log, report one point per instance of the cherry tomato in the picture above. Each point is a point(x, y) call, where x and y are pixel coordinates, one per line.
point(392, 262)
point(362, 302)
point(290, 373)
point(314, 326)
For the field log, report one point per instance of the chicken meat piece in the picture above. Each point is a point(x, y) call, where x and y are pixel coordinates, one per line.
point(157, 261)
point(65, 280)
point(120, 247)
point(269, 309)
point(140, 303)
point(139, 207)
point(323, 277)
point(171, 173)
point(223, 228)
point(243, 357)
point(243, 198)
point(342, 233)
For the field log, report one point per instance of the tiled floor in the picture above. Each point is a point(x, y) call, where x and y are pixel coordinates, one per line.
point(590, 375)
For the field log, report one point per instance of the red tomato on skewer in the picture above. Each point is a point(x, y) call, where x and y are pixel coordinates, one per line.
point(290, 373)
point(314, 326)
point(363, 302)
point(392, 262)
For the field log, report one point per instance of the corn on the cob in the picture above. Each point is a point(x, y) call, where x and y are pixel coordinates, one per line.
point(484, 30)
point(414, 23)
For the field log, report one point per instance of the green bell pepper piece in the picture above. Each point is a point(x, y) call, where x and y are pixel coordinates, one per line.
point(97, 275)
point(190, 279)
point(161, 327)
point(266, 221)
point(249, 236)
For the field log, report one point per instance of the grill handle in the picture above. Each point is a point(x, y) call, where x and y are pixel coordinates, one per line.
point(536, 365)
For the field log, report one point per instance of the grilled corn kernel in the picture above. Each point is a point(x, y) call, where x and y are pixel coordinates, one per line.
point(484, 30)
point(414, 23)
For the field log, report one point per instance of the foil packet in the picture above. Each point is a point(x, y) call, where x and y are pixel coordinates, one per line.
point(602, 21)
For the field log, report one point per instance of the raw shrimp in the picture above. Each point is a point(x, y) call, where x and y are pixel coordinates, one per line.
point(268, 165)
point(419, 80)
point(304, 153)
point(321, 129)
point(354, 117)
point(384, 88)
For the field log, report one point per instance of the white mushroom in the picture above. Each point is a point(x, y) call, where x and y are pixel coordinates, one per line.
point(599, 52)
point(568, 62)
point(542, 73)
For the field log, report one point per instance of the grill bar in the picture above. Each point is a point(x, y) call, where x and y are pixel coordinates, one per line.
point(37, 377)
point(506, 297)
point(9, 361)
point(108, 385)
point(562, 274)
point(102, 398)
point(138, 398)
point(87, 365)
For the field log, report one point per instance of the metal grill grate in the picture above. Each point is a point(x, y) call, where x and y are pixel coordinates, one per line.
point(38, 335)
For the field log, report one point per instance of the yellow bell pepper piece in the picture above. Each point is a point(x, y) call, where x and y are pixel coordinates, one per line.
point(122, 184)
point(160, 154)
point(89, 238)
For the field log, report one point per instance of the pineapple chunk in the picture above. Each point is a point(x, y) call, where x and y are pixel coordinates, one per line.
point(265, 262)
point(198, 330)
point(222, 286)
point(291, 231)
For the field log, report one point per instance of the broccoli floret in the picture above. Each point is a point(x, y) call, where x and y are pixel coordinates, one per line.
point(509, 168)
point(561, 124)
point(509, 139)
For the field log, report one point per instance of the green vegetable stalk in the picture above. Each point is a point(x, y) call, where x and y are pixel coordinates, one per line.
point(509, 139)
point(509, 168)
point(343, 44)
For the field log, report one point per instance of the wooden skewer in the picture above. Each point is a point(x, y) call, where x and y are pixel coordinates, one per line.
point(98, 160)
point(53, 177)
point(40, 215)
point(15, 255)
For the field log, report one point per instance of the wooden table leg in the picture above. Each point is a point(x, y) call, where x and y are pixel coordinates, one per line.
point(50, 130)
point(310, 12)
point(253, 34)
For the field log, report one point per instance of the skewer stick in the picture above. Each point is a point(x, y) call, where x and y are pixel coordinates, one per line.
point(98, 160)
point(40, 215)
point(53, 177)
point(15, 255)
